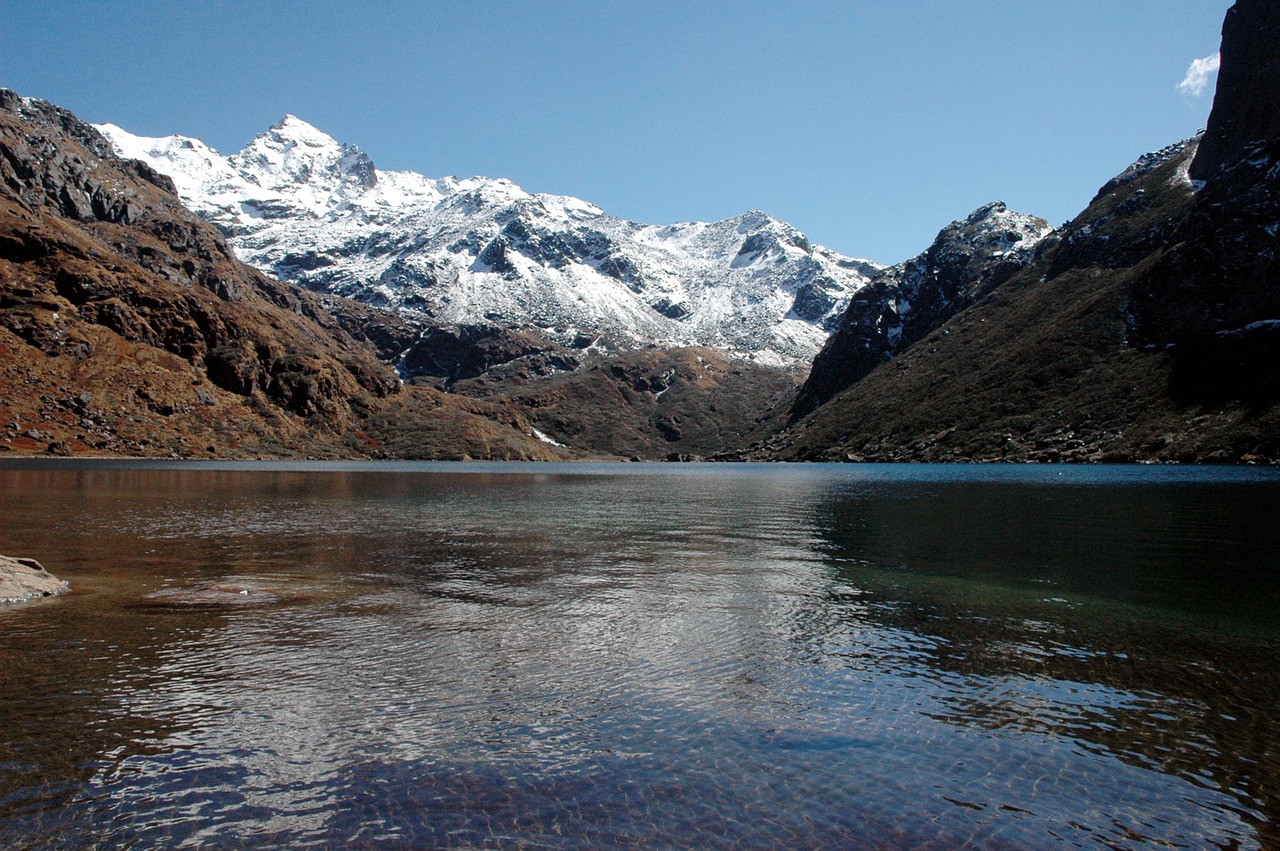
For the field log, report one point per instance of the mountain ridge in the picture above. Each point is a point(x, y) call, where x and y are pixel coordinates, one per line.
point(301, 206)
point(967, 260)
point(129, 327)
point(1145, 329)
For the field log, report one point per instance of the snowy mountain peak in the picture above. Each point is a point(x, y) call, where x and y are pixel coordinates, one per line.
point(753, 219)
point(304, 207)
point(295, 158)
point(293, 128)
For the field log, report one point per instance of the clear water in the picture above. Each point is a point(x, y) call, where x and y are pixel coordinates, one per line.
point(581, 656)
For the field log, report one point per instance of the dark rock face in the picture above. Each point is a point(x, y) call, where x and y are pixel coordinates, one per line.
point(1222, 273)
point(904, 303)
point(467, 351)
point(1245, 106)
point(1214, 296)
point(670, 309)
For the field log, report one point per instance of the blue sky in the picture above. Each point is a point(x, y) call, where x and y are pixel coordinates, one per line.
point(868, 125)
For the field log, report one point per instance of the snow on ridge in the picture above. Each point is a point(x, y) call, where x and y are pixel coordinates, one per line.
point(194, 166)
point(304, 207)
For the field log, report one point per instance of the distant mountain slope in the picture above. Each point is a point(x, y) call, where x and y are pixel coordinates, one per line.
point(651, 404)
point(299, 205)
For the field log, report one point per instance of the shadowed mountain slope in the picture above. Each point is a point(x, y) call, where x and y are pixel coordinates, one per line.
point(904, 303)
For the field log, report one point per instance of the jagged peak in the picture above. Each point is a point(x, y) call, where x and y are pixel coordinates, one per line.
point(293, 139)
point(294, 129)
point(43, 112)
point(753, 220)
point(986, 211)
point(403, 239)
point(294, 152)
point(996, 216)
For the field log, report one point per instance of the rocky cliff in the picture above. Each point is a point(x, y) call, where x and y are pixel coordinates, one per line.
point(1213, 299)
point(1244, 105)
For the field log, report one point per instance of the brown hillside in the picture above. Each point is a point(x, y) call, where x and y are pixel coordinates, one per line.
point(1043, 367)
point(654, 404)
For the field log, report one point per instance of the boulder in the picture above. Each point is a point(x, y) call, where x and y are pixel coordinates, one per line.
point(23, 579)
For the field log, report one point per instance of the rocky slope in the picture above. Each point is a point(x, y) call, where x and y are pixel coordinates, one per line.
point(1145, 329)
point(297, 204)
point(903, 303)
point(653, 404)
point(1148, 328)
point(128, 326)
point(1213, 299)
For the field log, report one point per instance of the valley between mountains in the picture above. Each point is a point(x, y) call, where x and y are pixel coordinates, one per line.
point(160, 299)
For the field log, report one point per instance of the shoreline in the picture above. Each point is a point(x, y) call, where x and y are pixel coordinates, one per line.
point(719, 458)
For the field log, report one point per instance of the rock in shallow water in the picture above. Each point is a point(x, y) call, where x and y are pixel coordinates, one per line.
point(23, 579)
point(213, 595)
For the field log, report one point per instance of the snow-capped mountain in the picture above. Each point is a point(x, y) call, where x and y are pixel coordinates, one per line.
point(305, 208)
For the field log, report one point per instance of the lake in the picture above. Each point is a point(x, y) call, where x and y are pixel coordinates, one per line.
point(639, 655)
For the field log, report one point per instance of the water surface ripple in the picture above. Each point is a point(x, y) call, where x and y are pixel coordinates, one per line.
point(582, 656)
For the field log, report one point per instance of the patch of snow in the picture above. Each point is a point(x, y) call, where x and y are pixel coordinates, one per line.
point(547, 439)
point(1252, 326)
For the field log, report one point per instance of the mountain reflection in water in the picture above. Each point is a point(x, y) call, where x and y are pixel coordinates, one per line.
point(619, 655)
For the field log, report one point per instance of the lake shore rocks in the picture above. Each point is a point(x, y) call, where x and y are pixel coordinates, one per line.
point(24, 579)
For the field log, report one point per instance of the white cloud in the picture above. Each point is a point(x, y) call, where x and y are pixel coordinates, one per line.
point(1197, 79)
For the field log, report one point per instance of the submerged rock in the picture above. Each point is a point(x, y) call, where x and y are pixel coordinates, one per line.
point(23, 579)
point(223, 594)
